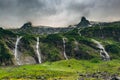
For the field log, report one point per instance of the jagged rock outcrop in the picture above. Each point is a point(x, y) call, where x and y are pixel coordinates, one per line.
point(26, 25)
point(83, 23)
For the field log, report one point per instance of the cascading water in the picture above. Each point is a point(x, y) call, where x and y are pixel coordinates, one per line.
point(77, 47)
point(38, 51)
point(103, 52)
point(16, 50)
point(64, 49)
point(79, 32)
point(101, 32)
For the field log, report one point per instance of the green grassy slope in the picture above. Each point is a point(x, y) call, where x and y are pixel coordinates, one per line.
point(65, 70)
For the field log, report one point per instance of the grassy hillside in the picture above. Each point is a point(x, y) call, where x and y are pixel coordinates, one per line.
point(65, 70)
point(103, 32)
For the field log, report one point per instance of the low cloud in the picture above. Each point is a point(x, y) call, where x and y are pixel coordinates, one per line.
point(14, 13)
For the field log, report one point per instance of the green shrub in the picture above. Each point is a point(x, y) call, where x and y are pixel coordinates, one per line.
point(54, 39)
point(112, 48)
point(95, 60)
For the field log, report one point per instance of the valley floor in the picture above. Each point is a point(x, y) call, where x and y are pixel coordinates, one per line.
point(64, 70)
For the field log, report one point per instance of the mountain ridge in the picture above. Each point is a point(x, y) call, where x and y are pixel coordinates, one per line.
point(78, 43)
point(51, 45)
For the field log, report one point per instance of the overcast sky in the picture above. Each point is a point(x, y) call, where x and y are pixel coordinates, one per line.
point(56, 13)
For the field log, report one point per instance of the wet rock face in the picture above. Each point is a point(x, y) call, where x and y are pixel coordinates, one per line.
point(84, 22)
point(26, 25)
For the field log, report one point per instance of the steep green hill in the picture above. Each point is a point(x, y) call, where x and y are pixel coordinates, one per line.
point(79, 45)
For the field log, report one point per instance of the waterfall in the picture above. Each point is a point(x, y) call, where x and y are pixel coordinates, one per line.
point(38, 51)
point(101, 32)
point(79, 32)
point(16, 50)
point(64, 49)
point(77, 47)
point(103, 52)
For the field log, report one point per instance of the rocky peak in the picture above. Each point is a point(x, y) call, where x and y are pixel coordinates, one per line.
point(27, 25)
point(83, 23)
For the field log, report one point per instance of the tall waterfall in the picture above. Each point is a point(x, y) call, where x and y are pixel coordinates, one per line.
point(16, 50)
point(64, 49)
point(38, 51)
point(103, 52)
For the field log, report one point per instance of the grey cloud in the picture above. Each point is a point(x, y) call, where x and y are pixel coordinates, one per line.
point(80, 9)
point(14, 13)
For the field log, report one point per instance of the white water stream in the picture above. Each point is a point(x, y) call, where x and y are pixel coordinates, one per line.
point(16, 50)
point(103, 52)
point(64, 49)
point(38, 51)
point(79, 32)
